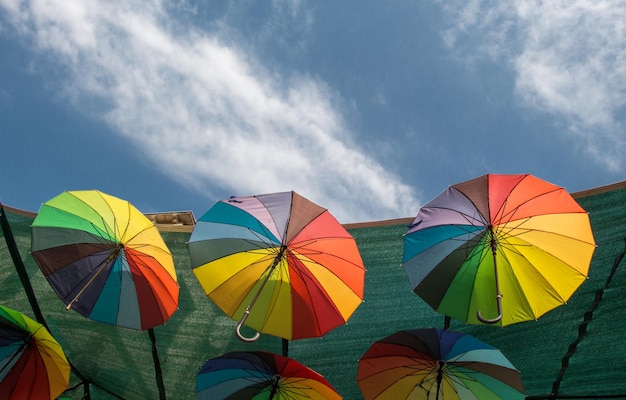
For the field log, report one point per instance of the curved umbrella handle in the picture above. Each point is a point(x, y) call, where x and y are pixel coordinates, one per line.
point(277, 259)
point(241, 337)
point(492, 320)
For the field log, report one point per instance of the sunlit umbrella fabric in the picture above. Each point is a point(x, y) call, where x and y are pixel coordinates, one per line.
point(285, 259)
point(436, 364)
point(32, 363)
point(105, 259)
point(517, 235)
point(260, 375)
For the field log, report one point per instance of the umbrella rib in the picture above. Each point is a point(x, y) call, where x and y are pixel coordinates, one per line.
point(468, 377)
point(502, 243)
point(268, 246)
point(467, 217)
point(503, 233)
point(123, 232)
point(291, 391)
point(152, 293)
point(302, 276)
point(254, 299)
point(428, 377)
point(104, 224)
point(482, 255)
point(511, 213)
point(17, 353)
point(115, 220)
point(307, 253)
point(513, 249)
point(100, 268)
point(98, 237)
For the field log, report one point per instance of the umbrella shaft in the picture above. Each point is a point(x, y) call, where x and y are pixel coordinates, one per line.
point(493, 243)
point(246, 313)
point(439, 377)
point(495, 262)
point(93, 278)
point(277, 259)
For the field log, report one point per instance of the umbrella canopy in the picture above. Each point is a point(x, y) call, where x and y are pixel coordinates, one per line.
point(524, 238)
point(279, 263)
point(105, 259)
point(436, 364)
point(32, 363)
point(260, 375)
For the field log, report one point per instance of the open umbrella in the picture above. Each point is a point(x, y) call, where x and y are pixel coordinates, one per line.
point(260, 375)
point(278, 263)
point(105, 259)
point(436, 364)
point(522, 237)
point(32, 363)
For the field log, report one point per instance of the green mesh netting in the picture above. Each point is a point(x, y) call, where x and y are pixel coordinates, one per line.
point(575, 349)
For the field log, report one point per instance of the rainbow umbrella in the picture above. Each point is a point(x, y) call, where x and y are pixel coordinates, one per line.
point(32, 363)
point(524, 237)
point(436, 364)
point(105, 259)
point(278, 263)
point(260, 375)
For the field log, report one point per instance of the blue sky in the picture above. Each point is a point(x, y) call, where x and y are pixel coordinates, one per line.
point(368, 108)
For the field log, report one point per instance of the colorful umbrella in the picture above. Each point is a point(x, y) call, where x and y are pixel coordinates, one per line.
point(278, 263)
point(32, 363)
point(436, 364)
point(260, 375)
point(105, 259)
point(523, 236)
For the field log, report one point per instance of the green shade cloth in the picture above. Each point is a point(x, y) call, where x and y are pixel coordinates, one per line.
point(585, 335)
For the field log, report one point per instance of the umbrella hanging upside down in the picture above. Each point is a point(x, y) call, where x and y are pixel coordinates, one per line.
point(279, 264)
point(524, 238)
point(105, 259)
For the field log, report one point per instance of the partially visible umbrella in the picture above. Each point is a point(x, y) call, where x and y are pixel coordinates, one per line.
point(260, 375)
point(279, 263)
point(517, 236)
point(32, 363)
point(105, 259)
point(436, 364)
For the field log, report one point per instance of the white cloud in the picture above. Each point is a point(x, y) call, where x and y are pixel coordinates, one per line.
point(206, 112)
point(569, 59)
